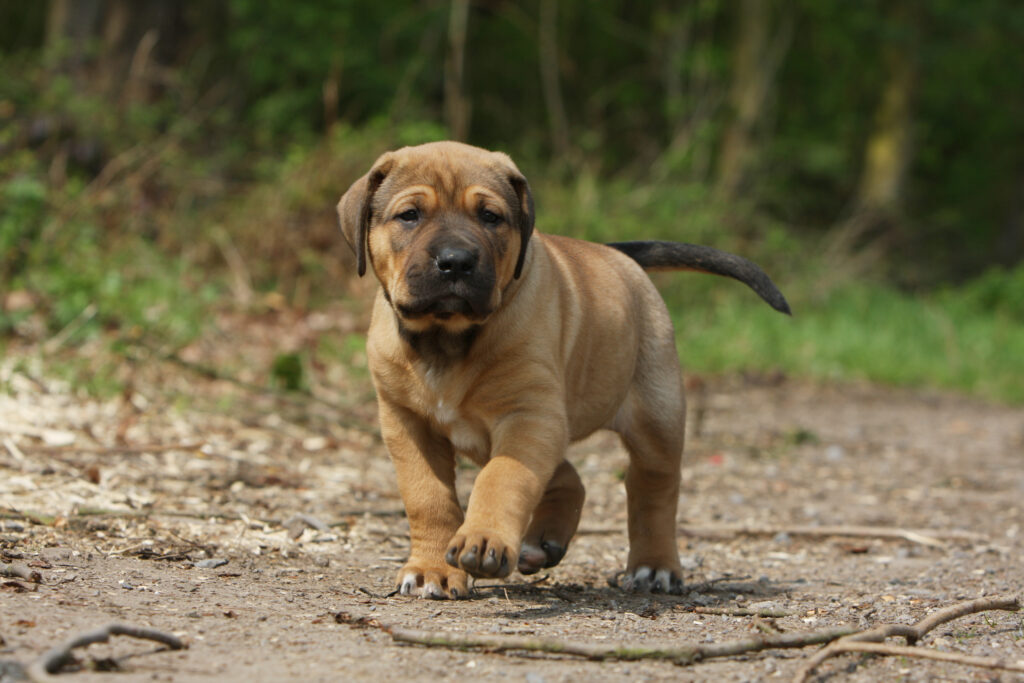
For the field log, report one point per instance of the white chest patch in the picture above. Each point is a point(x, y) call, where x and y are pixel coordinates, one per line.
point(464, 437)
point(467, 440)
point(445, 414)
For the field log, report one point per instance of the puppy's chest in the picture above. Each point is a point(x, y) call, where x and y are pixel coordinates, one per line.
point(448, 410)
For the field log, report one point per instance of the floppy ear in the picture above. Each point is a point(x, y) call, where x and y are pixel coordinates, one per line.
point(524, 216)
point(355, 210)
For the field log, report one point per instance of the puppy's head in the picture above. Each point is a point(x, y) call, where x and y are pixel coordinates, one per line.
point(445, 227)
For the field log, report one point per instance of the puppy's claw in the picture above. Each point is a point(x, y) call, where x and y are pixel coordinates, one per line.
point(646, 580)
point(433, 592)
point(480, 554)
point(432, 582)
point(408, 586)
point(639, 581)
point(533, 558)
point(469, 559)
point(553, 552)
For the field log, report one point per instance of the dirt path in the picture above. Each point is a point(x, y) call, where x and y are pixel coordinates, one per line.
point(119, 532)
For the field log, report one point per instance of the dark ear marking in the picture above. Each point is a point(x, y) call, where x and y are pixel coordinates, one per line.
point(355, 210)
point(365, 216)
point(524, 217)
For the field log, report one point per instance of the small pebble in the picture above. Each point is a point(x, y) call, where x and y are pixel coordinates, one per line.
point(834, 453)
point(211, 563)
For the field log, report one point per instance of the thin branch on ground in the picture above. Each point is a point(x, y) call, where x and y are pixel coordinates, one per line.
point(46, 520)
point(534, 582)
point(53, 660)
point(742, 612)
point(705, 585)
point(686, 653)
point(117, 450)
point(683, 654)
point(922, 653)
point(692, 652)
point(13, 449)
point(928, 537)
point(912, 633)
point(16, 570)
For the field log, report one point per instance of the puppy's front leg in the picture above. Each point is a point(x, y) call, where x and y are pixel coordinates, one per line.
point(525, 452)
point(425, 468)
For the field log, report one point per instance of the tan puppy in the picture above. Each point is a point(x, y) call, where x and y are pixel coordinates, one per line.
point(503, 345)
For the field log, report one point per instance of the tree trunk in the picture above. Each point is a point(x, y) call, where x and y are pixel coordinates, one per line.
point(456, 104)
point(888, 150)
point(130, 38)
point(549, 74)
point(70, 25)
point(756, 60)
point(864, 238)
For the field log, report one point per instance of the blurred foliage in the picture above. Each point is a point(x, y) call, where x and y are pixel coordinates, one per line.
point(153, 161)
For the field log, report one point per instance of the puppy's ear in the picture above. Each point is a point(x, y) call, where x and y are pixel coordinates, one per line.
point(355, 210)
point(524, 216)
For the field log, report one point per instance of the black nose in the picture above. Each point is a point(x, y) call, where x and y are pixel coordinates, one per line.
point(455, 263)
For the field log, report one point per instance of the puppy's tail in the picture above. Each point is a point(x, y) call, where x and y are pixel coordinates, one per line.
point(655, 255)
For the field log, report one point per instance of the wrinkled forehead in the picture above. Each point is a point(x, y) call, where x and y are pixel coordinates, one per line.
point(450, 174)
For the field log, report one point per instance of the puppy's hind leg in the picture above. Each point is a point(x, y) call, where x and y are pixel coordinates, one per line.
point(652, 425)
point(554, 521)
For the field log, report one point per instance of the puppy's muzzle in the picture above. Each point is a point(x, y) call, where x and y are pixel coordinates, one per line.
point(455, 263)
point(453, 279)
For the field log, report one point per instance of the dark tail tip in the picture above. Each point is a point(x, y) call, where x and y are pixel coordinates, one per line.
point(682, 256)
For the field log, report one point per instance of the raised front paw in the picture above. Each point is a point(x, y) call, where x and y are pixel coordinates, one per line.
point(433, 580)
point(481, 553)
point(538, 555)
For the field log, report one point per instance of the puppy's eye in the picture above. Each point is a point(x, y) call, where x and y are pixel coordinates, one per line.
point(409, 216)
point(489, 217)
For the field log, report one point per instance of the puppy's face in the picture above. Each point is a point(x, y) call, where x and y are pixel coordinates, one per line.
point(445, 227)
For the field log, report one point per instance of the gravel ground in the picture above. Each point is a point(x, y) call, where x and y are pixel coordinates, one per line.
point(180, 515)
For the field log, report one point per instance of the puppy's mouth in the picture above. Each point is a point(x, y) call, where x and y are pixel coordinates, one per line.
point(445, 307)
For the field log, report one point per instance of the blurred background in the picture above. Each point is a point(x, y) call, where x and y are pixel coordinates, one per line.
point(169, 169)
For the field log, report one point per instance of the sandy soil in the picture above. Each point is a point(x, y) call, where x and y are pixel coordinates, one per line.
point(118, 503)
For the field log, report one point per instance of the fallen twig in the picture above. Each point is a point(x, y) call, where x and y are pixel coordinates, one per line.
point(81, 320)
point(922, 653)
point(56, 437)
point(13, 449)
point(38, 518)
point(911, 633)
point(20, 571)
point(534, 582)
point(54, 659)
point(117, 450)
point(742, 612)
point(842, 639)
point(929, 537)
point(686, 653)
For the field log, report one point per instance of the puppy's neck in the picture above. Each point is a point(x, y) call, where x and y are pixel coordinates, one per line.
point(438, 347)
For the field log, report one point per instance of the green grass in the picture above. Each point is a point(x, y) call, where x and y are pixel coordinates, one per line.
point(969, 338)
point(858, 332)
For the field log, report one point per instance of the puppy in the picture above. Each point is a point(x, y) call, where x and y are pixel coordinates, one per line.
point(495, 342)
